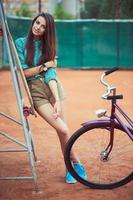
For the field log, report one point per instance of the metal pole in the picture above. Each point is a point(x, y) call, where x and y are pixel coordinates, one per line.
point(39, 6)
point(20, 100)
point(117, 9)
point(117, 16)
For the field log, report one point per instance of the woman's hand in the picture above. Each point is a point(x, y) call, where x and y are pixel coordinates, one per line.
point(51, 64)
point(57, 109)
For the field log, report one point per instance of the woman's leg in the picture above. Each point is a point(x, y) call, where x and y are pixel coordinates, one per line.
point(46, 112)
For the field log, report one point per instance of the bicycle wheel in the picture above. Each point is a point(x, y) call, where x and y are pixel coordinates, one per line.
point(89, 143)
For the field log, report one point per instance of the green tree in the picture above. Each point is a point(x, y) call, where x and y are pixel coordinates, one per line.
point(91, 9)
point(60, 13)
point(108, 9)
point(24, 11)
point(127, 9)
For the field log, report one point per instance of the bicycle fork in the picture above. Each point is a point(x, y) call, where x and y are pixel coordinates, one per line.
point(106, 152)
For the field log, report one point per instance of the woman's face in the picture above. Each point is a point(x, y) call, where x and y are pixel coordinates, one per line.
point(39, 27)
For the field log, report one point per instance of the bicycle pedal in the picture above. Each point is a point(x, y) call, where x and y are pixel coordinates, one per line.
point(101, 112)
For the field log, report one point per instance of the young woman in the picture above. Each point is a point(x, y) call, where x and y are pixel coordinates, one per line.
point(37, 56)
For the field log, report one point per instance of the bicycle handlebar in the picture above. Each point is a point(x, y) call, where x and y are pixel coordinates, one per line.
point(109, 88)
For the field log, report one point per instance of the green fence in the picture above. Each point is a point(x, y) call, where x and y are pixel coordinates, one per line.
point(87, 43)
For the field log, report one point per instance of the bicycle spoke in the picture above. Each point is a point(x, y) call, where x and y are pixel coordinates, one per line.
point(92, 144)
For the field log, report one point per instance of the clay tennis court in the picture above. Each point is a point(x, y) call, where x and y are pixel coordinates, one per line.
point(83, 91)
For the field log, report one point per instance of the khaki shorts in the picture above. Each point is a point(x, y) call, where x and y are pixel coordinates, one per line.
point(41, 93)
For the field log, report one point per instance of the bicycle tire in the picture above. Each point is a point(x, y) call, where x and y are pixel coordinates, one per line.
point(101, 126)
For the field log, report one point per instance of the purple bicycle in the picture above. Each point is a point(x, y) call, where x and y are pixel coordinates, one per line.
point(104, 145)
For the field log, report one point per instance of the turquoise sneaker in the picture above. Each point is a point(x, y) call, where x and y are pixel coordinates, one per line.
point(80, 170)
point(69, 178)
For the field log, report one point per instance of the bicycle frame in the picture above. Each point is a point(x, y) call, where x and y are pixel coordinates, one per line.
point(114, 120)
point(114, 117)
point(128, 129)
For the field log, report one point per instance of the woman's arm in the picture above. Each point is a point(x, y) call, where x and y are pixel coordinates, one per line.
point(29, 71)
point(57, 106)
point(53, 86)
point(38, 69)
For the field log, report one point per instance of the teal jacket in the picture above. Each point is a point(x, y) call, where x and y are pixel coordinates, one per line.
point(20, 43)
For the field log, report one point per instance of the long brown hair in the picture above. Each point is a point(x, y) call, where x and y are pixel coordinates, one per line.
point(48, 48)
